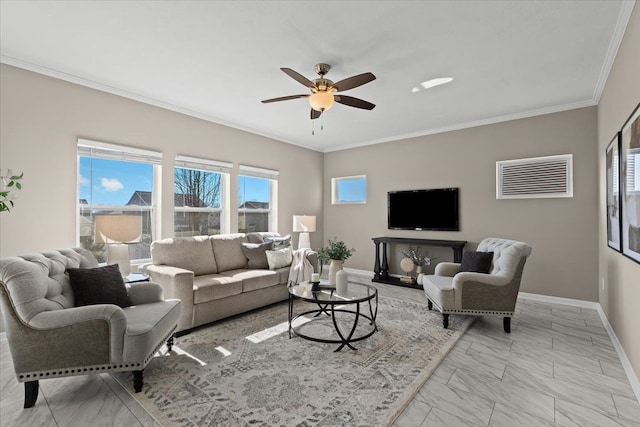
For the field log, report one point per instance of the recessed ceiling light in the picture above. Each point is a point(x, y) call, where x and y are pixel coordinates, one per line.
point(435, 82)
point(415, 89)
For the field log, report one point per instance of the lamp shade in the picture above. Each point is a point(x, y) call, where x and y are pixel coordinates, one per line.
point(321, 101)
point(118, 228)
point(304, 223)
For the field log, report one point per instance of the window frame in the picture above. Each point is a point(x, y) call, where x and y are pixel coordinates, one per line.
point(209, 166)
point(272, 177)
point(107, 151)
point(335, 196)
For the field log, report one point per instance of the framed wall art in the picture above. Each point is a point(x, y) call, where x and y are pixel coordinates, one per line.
point(614, 219)
point(630, 185)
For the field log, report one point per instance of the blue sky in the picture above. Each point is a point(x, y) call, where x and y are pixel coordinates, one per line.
point(352, 190)
point(113, 182)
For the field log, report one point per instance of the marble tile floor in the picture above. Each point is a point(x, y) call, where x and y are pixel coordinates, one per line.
point(558, 367)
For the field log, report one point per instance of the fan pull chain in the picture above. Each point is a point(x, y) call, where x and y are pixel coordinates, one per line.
point(313, 128)
point(322, 121)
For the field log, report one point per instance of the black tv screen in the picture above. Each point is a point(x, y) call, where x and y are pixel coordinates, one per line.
point(433, 209)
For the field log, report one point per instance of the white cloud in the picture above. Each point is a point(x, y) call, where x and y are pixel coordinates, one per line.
point(111, 184)
point(84, 181)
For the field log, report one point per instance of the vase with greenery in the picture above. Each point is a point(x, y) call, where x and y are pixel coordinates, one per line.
point(8, 184)
point(337, 252)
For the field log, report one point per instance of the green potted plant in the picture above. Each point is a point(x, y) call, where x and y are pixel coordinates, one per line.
point(337, 252)
point(8, 183)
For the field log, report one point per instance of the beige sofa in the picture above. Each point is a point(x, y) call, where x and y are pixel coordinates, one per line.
point(209, 275)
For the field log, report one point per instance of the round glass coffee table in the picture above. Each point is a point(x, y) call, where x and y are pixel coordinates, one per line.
point(329, 303)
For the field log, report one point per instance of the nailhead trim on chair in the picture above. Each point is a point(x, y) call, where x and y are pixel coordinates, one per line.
point(467, 311)
point(115, 367)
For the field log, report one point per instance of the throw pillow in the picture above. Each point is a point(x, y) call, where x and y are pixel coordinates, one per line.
point(99, 285)
point(279, 242)
point(279, 258)
point(256, 254)
point(476, 262)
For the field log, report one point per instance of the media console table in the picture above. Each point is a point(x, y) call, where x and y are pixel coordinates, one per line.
point(381, 270)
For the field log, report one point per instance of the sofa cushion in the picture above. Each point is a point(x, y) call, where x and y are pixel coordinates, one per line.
point(227, 249)
point(255, 279)
point(148, 324)
point(279, 258)
point(189, 253)
point(99, 285)
point(476, 262)
point(214, 286)
point(255, 253)
point(440, 289)
point(279, 242)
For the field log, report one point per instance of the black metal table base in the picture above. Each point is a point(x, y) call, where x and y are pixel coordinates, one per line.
point(344, 340)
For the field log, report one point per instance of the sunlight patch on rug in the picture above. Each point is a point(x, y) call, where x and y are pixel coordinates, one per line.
point(264, 378)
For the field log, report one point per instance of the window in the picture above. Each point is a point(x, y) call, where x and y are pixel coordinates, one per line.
point(199, 199)
point(116, 180)
point(349, 189)
point(257, 195)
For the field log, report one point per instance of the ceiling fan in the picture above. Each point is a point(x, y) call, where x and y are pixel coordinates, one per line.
point(324, 91)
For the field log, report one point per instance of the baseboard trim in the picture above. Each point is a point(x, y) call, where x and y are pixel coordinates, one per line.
point(558, 300)
point(357, 272)
point(626, 364)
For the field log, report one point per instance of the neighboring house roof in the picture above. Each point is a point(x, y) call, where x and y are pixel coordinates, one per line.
point(143, 198)
point(254, 205)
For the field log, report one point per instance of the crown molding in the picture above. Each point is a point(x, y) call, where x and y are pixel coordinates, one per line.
point(71, 78)
point(614, 44)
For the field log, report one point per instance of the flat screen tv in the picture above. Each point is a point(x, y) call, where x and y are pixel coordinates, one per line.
point(432, 209)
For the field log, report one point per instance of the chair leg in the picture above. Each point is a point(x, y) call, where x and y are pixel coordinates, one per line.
point(30, 393)
point(506, 323)
point(170, 343)
point(137, 381)
point(445, 320)
point(429, 304)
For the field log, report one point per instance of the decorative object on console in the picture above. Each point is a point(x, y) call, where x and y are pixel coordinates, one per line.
point(419, 259)
point(341, 282)
point(9, 182)
point(630, 188)
point(337, 252)
point(406, 264)
point(118, 231)
point(304, 224)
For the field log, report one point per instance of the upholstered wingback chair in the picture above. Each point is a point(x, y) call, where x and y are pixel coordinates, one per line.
point(49, 337)
point(455, 292)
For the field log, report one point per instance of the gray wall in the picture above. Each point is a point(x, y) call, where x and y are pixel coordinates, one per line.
point(619, 275)
point(562, 232)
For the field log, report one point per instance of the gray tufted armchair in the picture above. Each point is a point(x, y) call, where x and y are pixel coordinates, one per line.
point(49, 337)
point(455, 292)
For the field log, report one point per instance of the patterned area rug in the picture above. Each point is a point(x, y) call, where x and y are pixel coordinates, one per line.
point(245, 371)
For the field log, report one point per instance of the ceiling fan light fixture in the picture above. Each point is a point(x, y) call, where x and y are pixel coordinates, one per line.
point(321, 101)
point(436, 82)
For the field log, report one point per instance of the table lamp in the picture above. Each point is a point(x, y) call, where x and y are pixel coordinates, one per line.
point(118, 231)
point(305, 225)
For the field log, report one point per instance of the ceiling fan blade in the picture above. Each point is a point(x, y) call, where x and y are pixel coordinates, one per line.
point(298, 77)
point(315, 114)
point(355, 81)
point(354, 102)
point(284, 98)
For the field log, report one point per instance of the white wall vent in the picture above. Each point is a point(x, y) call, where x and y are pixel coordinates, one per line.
point(538, 177)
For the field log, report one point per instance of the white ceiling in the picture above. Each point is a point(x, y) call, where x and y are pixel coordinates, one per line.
point(218, 60)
